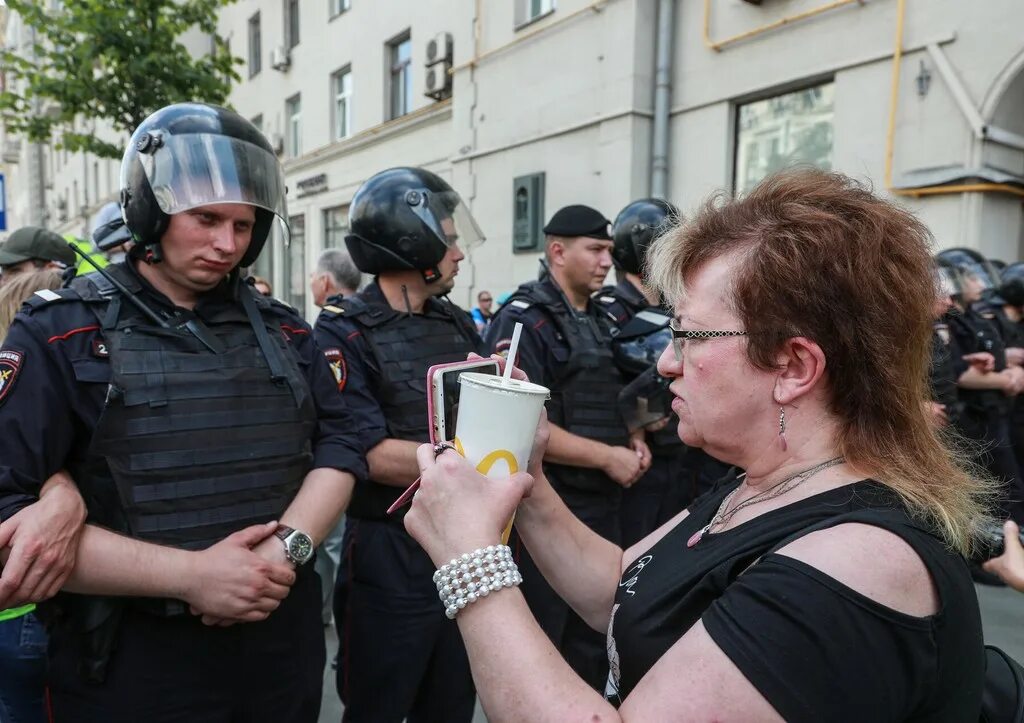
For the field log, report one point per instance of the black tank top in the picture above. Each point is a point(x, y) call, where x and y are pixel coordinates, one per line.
point(814, 648)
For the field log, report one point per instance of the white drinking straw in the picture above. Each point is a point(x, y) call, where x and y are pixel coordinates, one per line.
point(510, 360)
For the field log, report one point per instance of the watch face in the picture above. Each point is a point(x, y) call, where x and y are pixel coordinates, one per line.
point(300, 547)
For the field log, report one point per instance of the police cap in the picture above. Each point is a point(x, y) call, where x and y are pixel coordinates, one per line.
point(32, 242)
point(579, 220)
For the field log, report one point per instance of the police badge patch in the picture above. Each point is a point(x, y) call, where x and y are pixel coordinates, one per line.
point(337, 361)
point(10, 364)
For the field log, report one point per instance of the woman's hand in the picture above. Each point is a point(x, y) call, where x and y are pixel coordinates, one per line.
point(457, 509)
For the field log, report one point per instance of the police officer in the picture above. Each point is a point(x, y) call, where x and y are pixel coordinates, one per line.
point(400, 657)
point(944, 406)
point(985, 385)
point(566, 346)
point(667, 487)
point(31, 247)
point(1008, 306)
point(205, 434)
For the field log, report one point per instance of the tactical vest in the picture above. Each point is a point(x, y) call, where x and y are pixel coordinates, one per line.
point(404, 346)
point(636, 348)
point(942, 376)
point(585, 388)
point(198, 444)
point(976, 334)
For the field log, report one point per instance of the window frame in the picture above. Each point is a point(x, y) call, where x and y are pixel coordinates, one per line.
point(292, 24)
point(522, 16)
point(336, 96)
point(338, 7)
point(255, 31)
point(293, 125)
point(331, 232)
point(398, 68)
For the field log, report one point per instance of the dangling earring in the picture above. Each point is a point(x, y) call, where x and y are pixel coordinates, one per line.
point(782, 429)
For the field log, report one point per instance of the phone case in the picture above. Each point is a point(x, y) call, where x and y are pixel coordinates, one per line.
point(431, 372)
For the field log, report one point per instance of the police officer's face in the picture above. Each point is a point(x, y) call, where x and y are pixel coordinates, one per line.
point(717, 390)
point(449, 268)
point(586, 263)
point(973, 286)
point(202, 245)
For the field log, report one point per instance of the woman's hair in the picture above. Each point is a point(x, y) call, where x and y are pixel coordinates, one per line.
point(819, 256)
point(20, 287)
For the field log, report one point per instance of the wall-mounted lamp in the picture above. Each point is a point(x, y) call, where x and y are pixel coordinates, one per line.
point(924, 80)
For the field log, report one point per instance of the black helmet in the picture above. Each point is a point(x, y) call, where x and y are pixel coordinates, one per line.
point(406, 219)
point(108, 229)
point(948, 279)
point(969, 262)
point(193, 154)
point(998, 265)
point(636, 226)
point(1012, 287)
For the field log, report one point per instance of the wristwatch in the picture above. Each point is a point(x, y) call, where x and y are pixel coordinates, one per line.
point(298, 548)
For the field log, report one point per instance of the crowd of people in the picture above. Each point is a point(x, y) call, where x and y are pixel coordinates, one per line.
point(745, 502)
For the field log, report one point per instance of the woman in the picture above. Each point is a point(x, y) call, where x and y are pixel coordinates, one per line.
point(825, 583)
point(22, 638)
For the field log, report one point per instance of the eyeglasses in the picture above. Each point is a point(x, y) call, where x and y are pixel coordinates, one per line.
point(681, 336)
point(486, 299)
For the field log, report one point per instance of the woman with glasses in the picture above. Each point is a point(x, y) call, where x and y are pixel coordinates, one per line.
point(825, 582)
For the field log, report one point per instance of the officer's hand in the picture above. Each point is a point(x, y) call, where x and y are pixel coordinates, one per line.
point(981, 360)
point(623, 465)
point(42, 542)
point(1015, 356)
point(231, 582)
point(639, 445)
point(1014, 377)
point(1010, 565)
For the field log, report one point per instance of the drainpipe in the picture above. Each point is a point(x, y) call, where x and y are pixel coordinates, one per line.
point(662, 98)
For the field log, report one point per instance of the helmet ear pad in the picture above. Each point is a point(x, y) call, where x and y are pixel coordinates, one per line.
point(142, 213)
point(260, 233)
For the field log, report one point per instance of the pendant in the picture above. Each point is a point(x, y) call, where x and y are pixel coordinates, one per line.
point(697, 536)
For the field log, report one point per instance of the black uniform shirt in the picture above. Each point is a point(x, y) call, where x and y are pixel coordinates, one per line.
point(623, 301)
point(56, 374)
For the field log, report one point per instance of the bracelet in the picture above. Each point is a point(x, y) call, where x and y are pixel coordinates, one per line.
point(474, 575)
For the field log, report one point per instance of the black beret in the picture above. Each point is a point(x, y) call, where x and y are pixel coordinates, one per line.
point(579, 220)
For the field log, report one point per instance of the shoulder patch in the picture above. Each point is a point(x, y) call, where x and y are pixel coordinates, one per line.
point(10, 365)
point(47, 295)
point(336, 360)
point(334, 309)
point(520, 304)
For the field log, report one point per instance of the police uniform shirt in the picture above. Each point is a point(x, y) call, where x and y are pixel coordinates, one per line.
point(623, 301)
point(54, 374)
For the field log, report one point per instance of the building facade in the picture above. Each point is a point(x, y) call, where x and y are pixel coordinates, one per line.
point(529, 105)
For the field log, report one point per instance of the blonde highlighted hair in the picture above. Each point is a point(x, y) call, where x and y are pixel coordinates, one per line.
point(20, 287)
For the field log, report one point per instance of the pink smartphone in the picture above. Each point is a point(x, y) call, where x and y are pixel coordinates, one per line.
point(443, 394)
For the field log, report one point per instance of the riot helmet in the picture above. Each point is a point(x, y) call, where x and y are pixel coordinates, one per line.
point(189, 155)
point(108, 228)
point(636, 226)
point(974, 270)
point(1011, 290)
point(406, 219)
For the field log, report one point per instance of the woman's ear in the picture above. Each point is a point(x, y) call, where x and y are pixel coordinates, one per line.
point(801, 364)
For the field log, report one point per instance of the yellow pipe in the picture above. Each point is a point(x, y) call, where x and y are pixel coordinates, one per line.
point(890, 136)
point(719, 44)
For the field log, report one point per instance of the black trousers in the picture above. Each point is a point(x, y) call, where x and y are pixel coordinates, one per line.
point(584, 648)
point(665, 490)
point(177, 669)
point(998, 458)
point(399, 656)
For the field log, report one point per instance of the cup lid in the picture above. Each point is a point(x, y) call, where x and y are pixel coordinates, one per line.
point(491, 381)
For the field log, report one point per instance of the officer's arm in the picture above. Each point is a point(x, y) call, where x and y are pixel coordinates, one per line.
point(390, 461)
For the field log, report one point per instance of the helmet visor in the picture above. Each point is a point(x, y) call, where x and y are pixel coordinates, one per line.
point(985, 273)
point(447, 217)
point(200, 169)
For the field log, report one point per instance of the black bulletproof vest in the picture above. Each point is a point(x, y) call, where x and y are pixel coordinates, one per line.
point(942, 376)
point(404, 346)
point(975, 333)
point(199, 445)
point(585, 387)
point(1012, 334)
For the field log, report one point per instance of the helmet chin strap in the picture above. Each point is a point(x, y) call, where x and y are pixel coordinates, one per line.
point(431, 275)
point(149, 253)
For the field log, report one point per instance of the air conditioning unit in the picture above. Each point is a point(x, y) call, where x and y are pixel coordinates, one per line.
point(277, 143)
point(12, 150)
point(280, 59)
point(439, 49)
point(438, 82)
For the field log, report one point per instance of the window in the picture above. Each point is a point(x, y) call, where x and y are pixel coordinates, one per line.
point(295, 264)
point(526, 11)
point(96, 179)
point(341, 88)
point(778, 132)
point(293, 116)
point(335, 227)
point(339, 6)
point(291, 22)
point(400, 54)
point(255, 48)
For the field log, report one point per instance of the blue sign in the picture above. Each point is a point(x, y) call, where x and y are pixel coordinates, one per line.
point(3, 206)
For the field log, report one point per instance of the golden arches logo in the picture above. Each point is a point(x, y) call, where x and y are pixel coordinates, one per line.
point(484, 466)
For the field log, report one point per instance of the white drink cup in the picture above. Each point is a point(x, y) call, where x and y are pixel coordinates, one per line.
point(497, 422)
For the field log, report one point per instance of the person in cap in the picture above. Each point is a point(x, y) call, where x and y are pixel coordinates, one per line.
point(399, 658)
point(203, 431)
point(31, 247)
point(670, 484)
point(566, 346)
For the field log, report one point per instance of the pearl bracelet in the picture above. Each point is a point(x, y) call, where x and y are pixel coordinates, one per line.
point(474, 575)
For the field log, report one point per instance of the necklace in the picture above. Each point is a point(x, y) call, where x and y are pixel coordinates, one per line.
point(779, 488)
